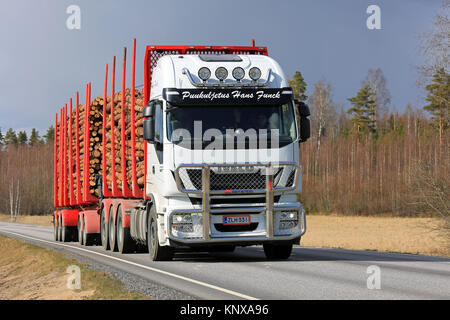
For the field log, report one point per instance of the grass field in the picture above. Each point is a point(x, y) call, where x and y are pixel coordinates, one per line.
point(30, 272)
point(390, 234)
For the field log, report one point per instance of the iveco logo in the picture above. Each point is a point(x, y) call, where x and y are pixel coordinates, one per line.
point(242, 169)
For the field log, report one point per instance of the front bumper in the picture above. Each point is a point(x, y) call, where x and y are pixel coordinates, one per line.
point(257, 236)
point(266, 215)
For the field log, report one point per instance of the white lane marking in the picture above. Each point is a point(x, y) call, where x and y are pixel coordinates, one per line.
point(143, 266)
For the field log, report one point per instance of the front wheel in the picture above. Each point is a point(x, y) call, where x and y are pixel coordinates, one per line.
point(156, 251)
point(277, 251)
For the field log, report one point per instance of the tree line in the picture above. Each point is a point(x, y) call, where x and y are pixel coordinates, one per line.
point(13, 138)
point(363, 158)
point(26, 172)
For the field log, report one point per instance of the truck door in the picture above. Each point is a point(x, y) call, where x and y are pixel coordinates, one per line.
point(155, 156)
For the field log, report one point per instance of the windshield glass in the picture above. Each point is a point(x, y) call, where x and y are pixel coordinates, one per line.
point(209, 123)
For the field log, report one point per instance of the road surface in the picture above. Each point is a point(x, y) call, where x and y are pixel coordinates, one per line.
point(310, 273)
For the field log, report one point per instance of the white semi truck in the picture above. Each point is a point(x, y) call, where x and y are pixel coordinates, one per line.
point(222, 132)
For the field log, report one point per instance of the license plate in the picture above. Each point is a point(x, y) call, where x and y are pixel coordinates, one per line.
point(236, 220)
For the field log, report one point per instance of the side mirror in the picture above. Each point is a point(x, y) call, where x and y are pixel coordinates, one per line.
point(149, 124)
point(148, 112)
point(305, 125)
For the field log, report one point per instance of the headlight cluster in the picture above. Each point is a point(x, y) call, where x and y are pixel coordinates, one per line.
point(187, 224)
point(288, 219)
point(222, 73)
point(182, 222)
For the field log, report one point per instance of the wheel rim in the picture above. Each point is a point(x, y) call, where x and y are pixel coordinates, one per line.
point(112, 238)
point(104, 230)
point(80, 234)
point(119, 231)
point(59, 230)
point(84, 232)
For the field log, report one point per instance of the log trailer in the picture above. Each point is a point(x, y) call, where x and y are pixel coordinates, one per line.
point(177, 165)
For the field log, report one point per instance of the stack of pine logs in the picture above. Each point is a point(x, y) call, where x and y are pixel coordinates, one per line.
point(140, 171)
point(95, 123)
point(96, 140)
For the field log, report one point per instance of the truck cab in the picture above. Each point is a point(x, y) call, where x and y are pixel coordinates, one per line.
point(222, 134)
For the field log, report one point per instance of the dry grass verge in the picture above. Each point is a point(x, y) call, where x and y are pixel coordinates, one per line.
point(390, 234)
point(31, 272)
point(44, 220)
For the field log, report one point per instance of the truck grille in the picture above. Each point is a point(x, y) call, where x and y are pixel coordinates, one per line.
point(230, 178)
point(231, 181)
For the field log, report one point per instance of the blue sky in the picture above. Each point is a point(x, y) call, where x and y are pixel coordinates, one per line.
point(43, 63)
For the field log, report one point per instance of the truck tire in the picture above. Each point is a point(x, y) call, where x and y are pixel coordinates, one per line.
point(112, 233)
point(88, 238)
point(277, 251)
point(55, 230)
point(125, 244)
point(60, 228)
point(104, 230)
point(156, 252)
point(66, 234)
point(80, 230)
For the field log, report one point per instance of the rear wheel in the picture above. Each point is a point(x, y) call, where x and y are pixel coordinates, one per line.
point(55, 230)
point(60, 227)
point(80, 230)
point(125, 243)
point(66, 234)
point(277, 251)
point(88, 238)
point(112, 233)
point(104, 230)
point(156, 251)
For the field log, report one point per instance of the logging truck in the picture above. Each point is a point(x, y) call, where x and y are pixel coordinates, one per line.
point(203, 157)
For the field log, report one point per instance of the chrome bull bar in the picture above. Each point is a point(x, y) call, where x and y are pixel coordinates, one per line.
point(270, 187)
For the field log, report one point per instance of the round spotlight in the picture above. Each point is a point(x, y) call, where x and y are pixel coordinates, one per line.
point(204, 73)
point(238, 73)
point(254, 73)
point(221, 73)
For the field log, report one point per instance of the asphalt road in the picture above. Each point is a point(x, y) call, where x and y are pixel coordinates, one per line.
point(310, 273)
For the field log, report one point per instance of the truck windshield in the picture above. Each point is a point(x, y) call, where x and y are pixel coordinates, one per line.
point(189, 124)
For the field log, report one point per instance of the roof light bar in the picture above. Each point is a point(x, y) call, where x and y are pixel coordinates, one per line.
point(222, 84)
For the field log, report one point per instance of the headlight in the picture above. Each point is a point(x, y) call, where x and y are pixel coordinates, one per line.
point(238, 73)
point(182, 218)
point(254, 73)
point(187, 225)
point(204, 73)
point(221, 73)
point(288, 219)
point(292, 215)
